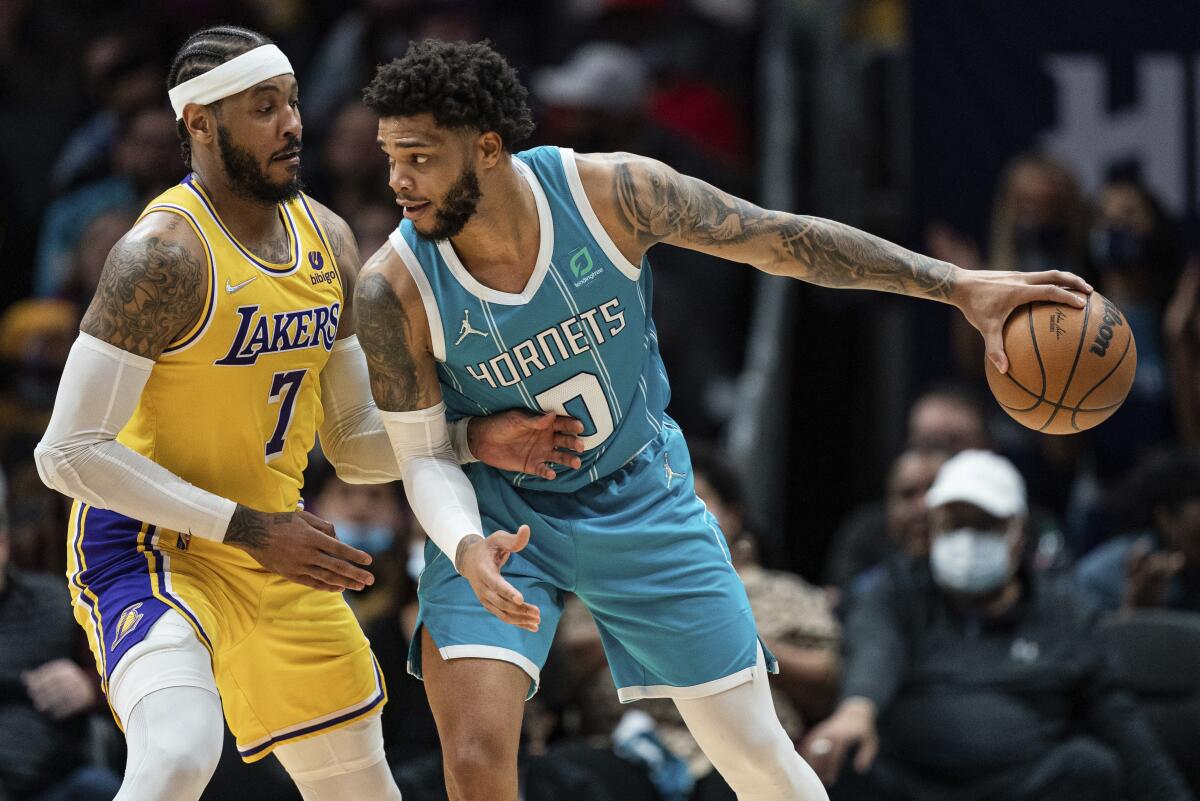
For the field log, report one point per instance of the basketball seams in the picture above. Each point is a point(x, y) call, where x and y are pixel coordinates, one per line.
point(1038, 397)
point(1087, 311)
point(1079, 406)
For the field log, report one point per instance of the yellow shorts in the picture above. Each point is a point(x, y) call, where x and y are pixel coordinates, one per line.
point(290, 662)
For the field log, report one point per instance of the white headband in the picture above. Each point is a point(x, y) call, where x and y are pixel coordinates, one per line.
point(235, 75)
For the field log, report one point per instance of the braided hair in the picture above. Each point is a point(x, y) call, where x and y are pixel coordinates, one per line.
point(202, 51)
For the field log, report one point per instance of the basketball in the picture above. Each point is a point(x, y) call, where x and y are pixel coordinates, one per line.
point(1069, 369)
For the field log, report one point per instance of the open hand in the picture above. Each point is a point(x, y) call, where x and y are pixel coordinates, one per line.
point(526, 443)
point(987, 297)
point(479, 561)
point(60, 688)
point(299, 546)
point(1148, 575)
point(826, 746)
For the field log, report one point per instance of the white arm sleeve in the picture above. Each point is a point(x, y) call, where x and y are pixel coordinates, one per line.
point(438, 491)
point(80, 457)
point(352, 436)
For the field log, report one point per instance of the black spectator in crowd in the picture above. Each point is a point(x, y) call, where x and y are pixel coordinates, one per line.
point(906, 520)
point(45, 694)
point(1158, 565)
point(946, 418)
point(968, 676)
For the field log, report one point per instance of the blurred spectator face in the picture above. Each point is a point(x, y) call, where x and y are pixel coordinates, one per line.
point(977, 509)
point(907, 516)
point(365, 516)
point(945, 423)
point(1035, 225)
point(351, 153)
point(973, 553)
point(118, 77)
point(372, 224)
point(148, 149)
point(1122, 241)
point(98, 239)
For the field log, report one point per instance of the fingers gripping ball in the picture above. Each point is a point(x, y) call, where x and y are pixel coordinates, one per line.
point(1069, 369)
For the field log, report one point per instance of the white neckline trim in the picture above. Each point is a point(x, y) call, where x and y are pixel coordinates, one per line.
point(545, 250)
point(627, 268)
point(437, 338)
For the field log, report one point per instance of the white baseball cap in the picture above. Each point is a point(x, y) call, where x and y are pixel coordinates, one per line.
point(600, 75)
point(980, 478)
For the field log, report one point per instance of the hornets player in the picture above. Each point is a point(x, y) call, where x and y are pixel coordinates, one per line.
point(220, 340)
point(519, 280)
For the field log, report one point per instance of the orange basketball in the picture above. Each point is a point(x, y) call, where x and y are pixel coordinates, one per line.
point(1068, 369)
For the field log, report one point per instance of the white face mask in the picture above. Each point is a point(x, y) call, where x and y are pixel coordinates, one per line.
point(970, 561)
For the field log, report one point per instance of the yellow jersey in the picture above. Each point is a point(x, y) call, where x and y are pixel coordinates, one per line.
point(233, 406)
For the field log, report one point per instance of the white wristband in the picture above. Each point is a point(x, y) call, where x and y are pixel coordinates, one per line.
point(458, 440)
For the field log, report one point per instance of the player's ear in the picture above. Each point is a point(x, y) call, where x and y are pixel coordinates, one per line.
point(199, 123)
point(490, 147)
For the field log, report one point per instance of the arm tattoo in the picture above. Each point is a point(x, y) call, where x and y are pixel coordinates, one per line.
point(837, 255)
point(657, 204)
point(385, 332)
point(249, 528)
point(150, 291)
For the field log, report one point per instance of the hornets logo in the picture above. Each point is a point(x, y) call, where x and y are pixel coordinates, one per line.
point(126, 623)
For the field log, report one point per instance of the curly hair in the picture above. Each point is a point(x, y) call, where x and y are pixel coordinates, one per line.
point(463, 85)
point(202, 51)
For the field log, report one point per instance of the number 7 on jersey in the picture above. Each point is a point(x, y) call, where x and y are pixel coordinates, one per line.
point(284, 387)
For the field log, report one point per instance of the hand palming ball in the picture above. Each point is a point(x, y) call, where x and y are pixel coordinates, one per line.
point(1068, 369)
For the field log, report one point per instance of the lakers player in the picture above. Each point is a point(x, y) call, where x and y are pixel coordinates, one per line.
point(545, 251)
point(220, 340)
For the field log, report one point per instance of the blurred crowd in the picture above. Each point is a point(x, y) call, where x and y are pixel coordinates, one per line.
point(1014, 616)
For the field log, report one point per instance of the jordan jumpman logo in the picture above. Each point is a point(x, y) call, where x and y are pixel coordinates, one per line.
point(671, 474)
point(465, 330)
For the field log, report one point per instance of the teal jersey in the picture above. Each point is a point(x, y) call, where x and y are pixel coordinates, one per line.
point(578, 340)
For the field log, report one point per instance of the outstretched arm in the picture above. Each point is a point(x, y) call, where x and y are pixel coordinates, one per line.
point(643, 202)
point(395, 338)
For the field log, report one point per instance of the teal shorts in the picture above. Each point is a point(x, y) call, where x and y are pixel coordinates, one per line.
point(639, 549)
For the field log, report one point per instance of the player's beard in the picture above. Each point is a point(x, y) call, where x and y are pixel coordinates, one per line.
point(248, 178)
point(457, 208)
